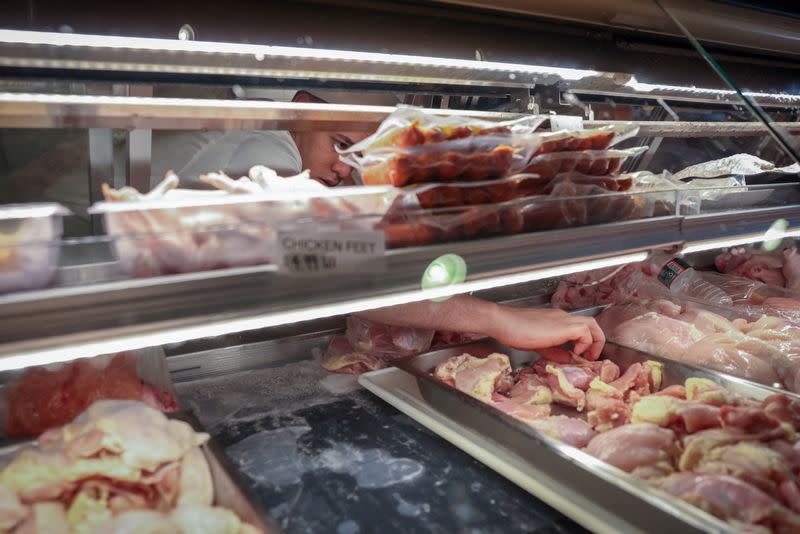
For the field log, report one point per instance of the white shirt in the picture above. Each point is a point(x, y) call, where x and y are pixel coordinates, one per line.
point(191, 154)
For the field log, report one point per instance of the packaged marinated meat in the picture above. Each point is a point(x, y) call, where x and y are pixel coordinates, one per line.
point(402, 152)
point(30, 245)
point(171, 230)
point(592, 162)
point(471, 159)
point(431, 196)
point(412, 127)
point(599, 138)
point(45, 397)
point(566, 207)
point(449, 195)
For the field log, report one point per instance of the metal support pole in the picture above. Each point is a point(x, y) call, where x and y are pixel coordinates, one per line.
point(140, 144)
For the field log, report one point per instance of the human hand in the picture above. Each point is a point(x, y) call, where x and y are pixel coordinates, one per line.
point(545, 330)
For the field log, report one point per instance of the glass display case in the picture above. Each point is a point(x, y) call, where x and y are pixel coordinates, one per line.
point(168, 189)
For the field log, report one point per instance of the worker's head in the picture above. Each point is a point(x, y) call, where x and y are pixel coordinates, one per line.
point(317, 149)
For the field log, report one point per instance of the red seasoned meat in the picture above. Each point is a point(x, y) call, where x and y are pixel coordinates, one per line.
point(42, 398)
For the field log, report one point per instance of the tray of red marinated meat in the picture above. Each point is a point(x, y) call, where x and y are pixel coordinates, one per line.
point(668, 446)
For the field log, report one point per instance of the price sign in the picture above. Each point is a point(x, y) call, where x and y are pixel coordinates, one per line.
point(318, 253)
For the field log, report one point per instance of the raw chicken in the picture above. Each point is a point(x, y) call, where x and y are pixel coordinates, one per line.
point(341, 357)
point(570, 430)
point(779, 268)
point(791, 269)
point(531, 389)
point(684, 416)
point(731, 499)
point(763, 351)
point(637, 448)
point(477, 377)
point(119, 467)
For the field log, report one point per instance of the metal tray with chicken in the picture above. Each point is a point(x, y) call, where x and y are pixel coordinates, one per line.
point(668, 446)
point(121, 467)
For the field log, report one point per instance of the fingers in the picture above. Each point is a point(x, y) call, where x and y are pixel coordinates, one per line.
point(589, 338)
point(581, 336)
point(555, 354)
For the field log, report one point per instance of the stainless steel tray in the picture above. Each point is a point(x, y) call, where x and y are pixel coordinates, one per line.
point(639, 506)
point(229, 490)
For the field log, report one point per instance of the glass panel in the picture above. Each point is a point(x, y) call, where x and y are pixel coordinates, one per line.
point(765, 86)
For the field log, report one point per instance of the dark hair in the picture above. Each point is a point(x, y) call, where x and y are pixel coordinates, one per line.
point(311, 97)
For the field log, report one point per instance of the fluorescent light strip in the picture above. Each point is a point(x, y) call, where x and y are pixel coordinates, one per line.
point(222, 105)
point(711, 244)
point(649, 87)
point(76, 350)
point(259, 52)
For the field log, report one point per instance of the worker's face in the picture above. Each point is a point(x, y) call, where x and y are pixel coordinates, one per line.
point(319, 156)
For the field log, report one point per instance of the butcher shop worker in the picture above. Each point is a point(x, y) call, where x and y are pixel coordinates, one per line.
point(191, 154)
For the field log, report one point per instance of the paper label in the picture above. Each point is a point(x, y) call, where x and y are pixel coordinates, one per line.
point(317, 253)
point(671, 270)
point(566, 122)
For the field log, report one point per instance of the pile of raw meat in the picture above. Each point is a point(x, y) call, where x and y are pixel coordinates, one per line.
point(778, 268)
point(765, 351)
point(748, 276)
point(43, 398)
point(119, 467)
point(593, 387)
point(731, 456)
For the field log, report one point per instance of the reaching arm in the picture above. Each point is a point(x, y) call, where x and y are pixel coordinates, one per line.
point(522, 328)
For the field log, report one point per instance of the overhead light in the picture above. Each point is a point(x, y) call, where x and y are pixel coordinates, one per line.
point(164, 45)
point(17, 359)
point(711, 244)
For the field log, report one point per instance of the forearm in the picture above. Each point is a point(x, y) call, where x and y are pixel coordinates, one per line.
point(461, 313)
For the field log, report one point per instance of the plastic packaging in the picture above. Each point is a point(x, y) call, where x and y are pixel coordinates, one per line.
point(695, 336)
point(411, 127)
point(188, 231)
point(593, 162)
point(738, 164)
point(568, 205)
point(413, 146)
point(386, 341)
point(590, 139)
point(431, 196)
point(683, 281)
point(367, 346)
point(30, 245)
point(471, 159)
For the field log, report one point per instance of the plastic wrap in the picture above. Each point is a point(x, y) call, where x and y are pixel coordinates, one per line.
point(592, 162)
point(431, 196)
point(386, 341)
point(30, 245)
point(471, 159)
point(591, 139)
point(368, 345)
point(568, 205)
point(188, 231)
point(412, 127)
point(738, 164)
point(698, 337)
point(412, 146)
